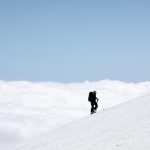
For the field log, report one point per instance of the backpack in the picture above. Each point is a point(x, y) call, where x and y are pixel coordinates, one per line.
point(90, 96)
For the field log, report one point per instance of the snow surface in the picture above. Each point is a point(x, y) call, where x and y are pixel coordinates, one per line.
point(28, 109)
point(123, 127)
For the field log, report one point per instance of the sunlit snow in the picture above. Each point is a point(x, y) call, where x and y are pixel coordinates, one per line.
point(31, 108)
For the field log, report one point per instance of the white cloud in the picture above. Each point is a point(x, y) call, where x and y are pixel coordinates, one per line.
point(29, 108)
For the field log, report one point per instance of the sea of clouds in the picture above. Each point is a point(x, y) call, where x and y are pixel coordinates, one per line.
point(28, 109)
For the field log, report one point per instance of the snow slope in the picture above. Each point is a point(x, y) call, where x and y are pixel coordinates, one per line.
point(123, 127)
point(28, 109)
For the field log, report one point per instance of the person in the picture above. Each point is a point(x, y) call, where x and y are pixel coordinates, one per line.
point(94, 101)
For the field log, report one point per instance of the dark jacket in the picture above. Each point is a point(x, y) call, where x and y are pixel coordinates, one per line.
point(92, 97)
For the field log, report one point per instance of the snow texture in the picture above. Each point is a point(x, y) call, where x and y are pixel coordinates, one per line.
point(123, 127)
point(28, 109)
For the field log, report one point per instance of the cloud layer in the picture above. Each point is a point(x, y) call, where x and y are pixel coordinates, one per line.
point(30, 108)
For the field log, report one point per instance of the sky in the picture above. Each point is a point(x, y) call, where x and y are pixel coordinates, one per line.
point(74, 41)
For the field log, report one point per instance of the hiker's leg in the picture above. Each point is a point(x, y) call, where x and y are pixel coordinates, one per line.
point(95, 106)
point(92, 108)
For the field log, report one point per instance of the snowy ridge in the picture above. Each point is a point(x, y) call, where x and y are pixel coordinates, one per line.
point(123, 127)
point(28, 109)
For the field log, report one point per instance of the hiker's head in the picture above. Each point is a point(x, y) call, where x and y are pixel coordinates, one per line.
point(94, 92)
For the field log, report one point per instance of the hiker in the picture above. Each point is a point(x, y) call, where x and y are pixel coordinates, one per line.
point(94, 101)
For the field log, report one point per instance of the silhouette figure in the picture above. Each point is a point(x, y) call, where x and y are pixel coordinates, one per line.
point(94, 101)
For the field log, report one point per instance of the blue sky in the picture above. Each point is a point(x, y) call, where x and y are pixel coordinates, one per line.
point(74, 41)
